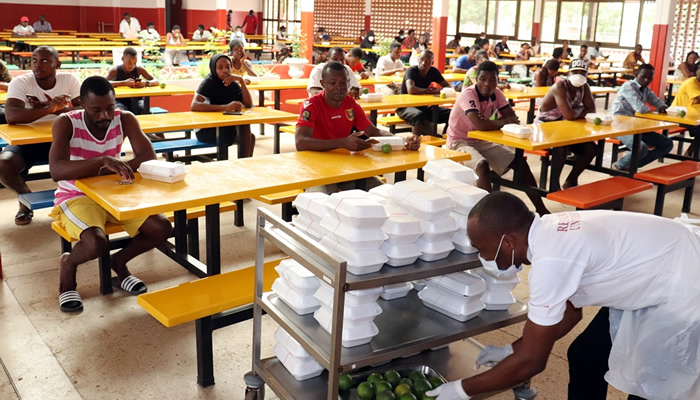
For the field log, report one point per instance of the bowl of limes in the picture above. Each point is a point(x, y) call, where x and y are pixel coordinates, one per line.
point(406, 383)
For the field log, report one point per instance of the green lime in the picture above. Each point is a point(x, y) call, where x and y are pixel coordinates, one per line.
point(426, 397)
point(408, 396)
point(162, 85)
point(344, 382)
point(386, 148)
point(421, 386)
point(365, 391)
point(408, 382)
point(385, 395)
point(415, 375)
point(402, 389)
point(436, 381)
point(365, 91)
point(374, 378)
point(392, 377)
point(597, 121)
point(443, 95)
point(681, 114)
point(382, 386)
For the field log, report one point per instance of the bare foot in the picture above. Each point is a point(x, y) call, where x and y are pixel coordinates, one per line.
point(66, 274)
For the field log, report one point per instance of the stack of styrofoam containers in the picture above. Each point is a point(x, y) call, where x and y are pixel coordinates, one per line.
point(358, 316)
point(456, 295)
point(396, 291)
point(465, 197)
point(431, 207)
point(296, 286)
point(353, 232)
point(295, 359)
point(311, 210)
point(402, 231)
point(437, 170)
point(498, 295)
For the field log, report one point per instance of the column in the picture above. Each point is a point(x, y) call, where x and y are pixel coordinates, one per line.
point(441, 10)
point(539, 5)
point(307, 29)
point(661, 43)
point(368, 13)
point(221, 11)
point(160, 19)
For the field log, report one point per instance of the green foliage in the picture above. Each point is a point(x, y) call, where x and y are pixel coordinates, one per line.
point(298, 45)
point(151, 49)
point(384, 43)
point(217, 38)
point(262, 70)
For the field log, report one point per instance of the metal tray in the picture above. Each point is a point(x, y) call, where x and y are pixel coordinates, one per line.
point(359, 377)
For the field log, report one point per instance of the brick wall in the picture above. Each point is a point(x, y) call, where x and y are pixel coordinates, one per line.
point(685, 29)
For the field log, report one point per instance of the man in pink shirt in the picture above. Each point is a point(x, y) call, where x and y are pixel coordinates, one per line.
point(483, 107)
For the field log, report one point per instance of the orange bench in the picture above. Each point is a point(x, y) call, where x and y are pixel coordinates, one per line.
point(544, 167)
point(672, 177)
point(608, 193)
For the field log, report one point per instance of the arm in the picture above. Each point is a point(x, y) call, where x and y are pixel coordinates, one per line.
point(457, 70)
point(149, 78)
point(588, 102)
point(561, 98)
point(112, 76)
point(248, 66)
point(198, 104)
point(483, 123)
point(413, 89)
point(306, 142)
point(15, 113)
point(140, 144)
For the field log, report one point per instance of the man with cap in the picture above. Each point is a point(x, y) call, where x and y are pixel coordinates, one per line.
point(42, 25)
point(570, 100)
point(23, 29)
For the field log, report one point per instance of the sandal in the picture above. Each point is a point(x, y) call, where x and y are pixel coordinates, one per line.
point(70, 301)
point(130, 284)
point(24, 217)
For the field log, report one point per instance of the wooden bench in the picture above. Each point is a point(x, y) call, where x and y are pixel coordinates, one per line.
point(283, 198)
point(105, 270)
point(605, 194)
point(672, 177)
point(213, 302)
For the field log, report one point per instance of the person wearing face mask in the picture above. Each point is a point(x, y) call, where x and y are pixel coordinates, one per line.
point(336, 54)
point(369, 57)
point(250, 23)
point(400, 37)
point(407, 45)
point(642, 269)
point(481, 40)
point(570, 100)
point(150, 33)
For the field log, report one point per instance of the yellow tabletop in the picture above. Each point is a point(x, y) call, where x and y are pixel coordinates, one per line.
point(6, 48)
point(279, 84)
point(541, 91)
point(76, 43)
point(153, 91)
point(563, 133)
point(517, 62)
point(406, 100)
point(57, 39)
point(675, 81)
point(508, 55)
point(692, 118)
point(94, 47)
point(398, 77)
point(213, 182)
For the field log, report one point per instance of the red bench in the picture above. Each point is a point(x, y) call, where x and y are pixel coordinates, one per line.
point(672, 177)
point(605, 194)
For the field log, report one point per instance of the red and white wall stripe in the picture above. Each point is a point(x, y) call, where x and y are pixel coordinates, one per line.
point(659, 55)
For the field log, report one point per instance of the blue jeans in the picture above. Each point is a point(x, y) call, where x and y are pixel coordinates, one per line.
point(662, 146)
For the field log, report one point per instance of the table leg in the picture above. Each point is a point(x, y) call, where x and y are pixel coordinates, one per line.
point(399, 176)
point(213, 232)
point(241, 143)
point(276, 145)
point(531, 112)
point(261, 103)
point(600, 152)
point(556, 168)
point(669, 96)
point(146, 104)
point(518, 167)
point(221, 149)
point(696, 144)
point(278, 95)
point(373, 117)
point(636, 148)
point(181, 232)
point(607, 100)
point(436, 117)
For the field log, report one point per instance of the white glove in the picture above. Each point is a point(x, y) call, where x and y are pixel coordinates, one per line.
point(449, 391)
point(492, 355)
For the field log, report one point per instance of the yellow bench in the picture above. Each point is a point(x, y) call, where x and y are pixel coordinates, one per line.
point(288, 129)
point(284, 198)
point(110, 229)
point(212, 302)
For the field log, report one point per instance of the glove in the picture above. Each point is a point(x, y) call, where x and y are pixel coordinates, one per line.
point(492, 355)
point(449, 391)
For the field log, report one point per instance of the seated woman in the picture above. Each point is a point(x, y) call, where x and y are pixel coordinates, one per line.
point(281, 44)
point(240, 65)
point(418, 49)
point(686, 69)
point(370, 58)
point(223, 91)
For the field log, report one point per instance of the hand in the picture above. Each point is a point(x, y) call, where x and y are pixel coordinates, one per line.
point(364, 75)
point(413, 143)
point(57, 103)
point(432, 90)
point(354, 143)
point(402, 67)
point(246, 81)
point(662, 109)
point(234, 106)
point(119, 167)
point(233, 78)
point(140, 84)
point(355, 93)
point(130, 82)
point(513, 120)
point(492, 355)
point(449, 391)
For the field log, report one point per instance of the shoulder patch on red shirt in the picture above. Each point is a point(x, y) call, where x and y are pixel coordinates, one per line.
point(350, 114)
point(305, 115)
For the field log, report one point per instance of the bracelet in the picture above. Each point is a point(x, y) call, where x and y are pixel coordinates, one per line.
point(99, 171)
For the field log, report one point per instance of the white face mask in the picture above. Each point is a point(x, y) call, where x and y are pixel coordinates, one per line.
point(492, 267)
point(578, 80)
point(370, 38)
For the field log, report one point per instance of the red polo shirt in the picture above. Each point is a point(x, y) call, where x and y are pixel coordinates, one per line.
point(332, 123)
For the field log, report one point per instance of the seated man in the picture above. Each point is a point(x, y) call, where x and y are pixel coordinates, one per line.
point(464, 63)
point(633, 97)
point(354, 60)
point(390, 64)
point(544, 76)
point(131, 75)
point(502, 47)
point(470, 78)
point(327, 119)
point(5, 78)
point(39, 96)
point(633, 61)
point(150, 33)
point(42, 25)
point(335, 54)
point(420, 80)
point(688, 95)
point(88, 143)
point(570, 99)
point(201, 34)
point(238, 34)
point(483, 107)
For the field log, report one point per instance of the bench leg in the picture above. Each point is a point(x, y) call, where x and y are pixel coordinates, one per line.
point(660, 196)
point(105, 264)
point(420, 174)
point(288, 211)
point(193, 237)
point(688, 197)
point(544, 171)
point(205, 353)
point(66, 246)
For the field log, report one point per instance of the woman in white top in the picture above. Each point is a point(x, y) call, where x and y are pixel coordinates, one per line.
point(281, 45)
point(173, 57)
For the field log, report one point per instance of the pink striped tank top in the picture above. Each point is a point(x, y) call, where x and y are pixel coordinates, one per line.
point(83, 146)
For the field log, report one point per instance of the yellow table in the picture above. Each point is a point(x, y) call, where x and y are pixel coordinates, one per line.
point(398, 77)
point(534, 93)
point(559, 134)
point(211, 183)
point(691, 119)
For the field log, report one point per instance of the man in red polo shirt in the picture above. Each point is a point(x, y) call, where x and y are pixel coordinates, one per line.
point(327, 119)
point(250, 23)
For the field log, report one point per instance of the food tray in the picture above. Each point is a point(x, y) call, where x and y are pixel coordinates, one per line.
point(675, 110)
point(352, 237)
point(401, 254)
point(359, 261)
point(382, 190)
point(435, 250)
point(306, 225)
point(351, 311)
point(359, 377)
point(372, 97)
point(429, 205)
point(460, 308)
point(498, 283)
point(352, 335)
point(517, 87)
point(301, 304)
point(448, 169)
point(301, 368)
point(396, 291)
point(289, 343)
point(462, 242)
point(437, 229)
point(352, 297)
point(364, 213)
point(497, 300)
point(402, 229)
point(304, 203)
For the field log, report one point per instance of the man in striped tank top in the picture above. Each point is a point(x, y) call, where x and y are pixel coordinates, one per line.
point(88, 143)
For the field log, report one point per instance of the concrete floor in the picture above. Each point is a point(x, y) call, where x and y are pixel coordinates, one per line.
point(114, 349)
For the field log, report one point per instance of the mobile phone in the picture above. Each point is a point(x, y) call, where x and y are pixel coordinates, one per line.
point(233, 112)
point(372, 140)
point(137, 79)
point(31, 97)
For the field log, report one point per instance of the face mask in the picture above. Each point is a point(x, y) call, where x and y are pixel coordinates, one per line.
point(483, 37)
point(492, 267)
point(578, 80)
point(370, 38)
point(402, 36)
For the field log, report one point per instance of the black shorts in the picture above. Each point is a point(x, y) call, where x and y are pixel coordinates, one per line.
point(129, 103)
point(31, 154)
point(577, 149)
point(419, 115)
point(227, 134)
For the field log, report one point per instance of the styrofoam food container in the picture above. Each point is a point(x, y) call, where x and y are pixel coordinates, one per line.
point(517, 87)
point(496, 283)
point(296, 276)
point(675, 110)
point(301, 368)
point(357, 321)
point(517, 131)
point(461, 220)
point(462, 243)
point(382, 190)
point(402, 189)
point(446, 184)
point(396, 142)
point(466, 197)
point(302, 304)
point(352, 335)
point(460, 283)
point(396, 291)
point(434, 250)
point(418, 285)
point(351, 237)
point(306, 225)
point(605, 119)
point(402, 229)
point(449, 92)
point(354, 313)
point(437, 229)
point(360, 262)
point(289, 343)
point(358, 213)
point(372, 97)
point(303, 203)
point(497, 300)
point(401, 254)
point(461, 308)
point(448, 169)
point(162, 171)
point(360, 297)
point(429, 205)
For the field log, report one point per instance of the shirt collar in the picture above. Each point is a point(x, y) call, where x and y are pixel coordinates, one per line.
point(482, 98)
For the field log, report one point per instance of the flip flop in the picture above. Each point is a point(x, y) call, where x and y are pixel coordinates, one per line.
point(24, 217)
point(70, 301)
point(130, 284)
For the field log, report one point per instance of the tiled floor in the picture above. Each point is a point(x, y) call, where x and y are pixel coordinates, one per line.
point(115, 350)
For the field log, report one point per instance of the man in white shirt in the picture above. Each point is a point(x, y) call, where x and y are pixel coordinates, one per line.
point(238, 34)
point(23, 29)
point(335, 54)
point(42, 25)
point(39, 96)
point(129, 28)
point(150, 33)
point(201, 34)
point(642, 269)
point(596, 52)
point(390, 64)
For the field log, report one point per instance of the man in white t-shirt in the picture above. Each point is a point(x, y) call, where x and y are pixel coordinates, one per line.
point(23, 29)
point(39, 96)
point(201, 34)
point(335, 54)
point(150, 33)
point(387, 65)
point(129, 28)
point(644, 269)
